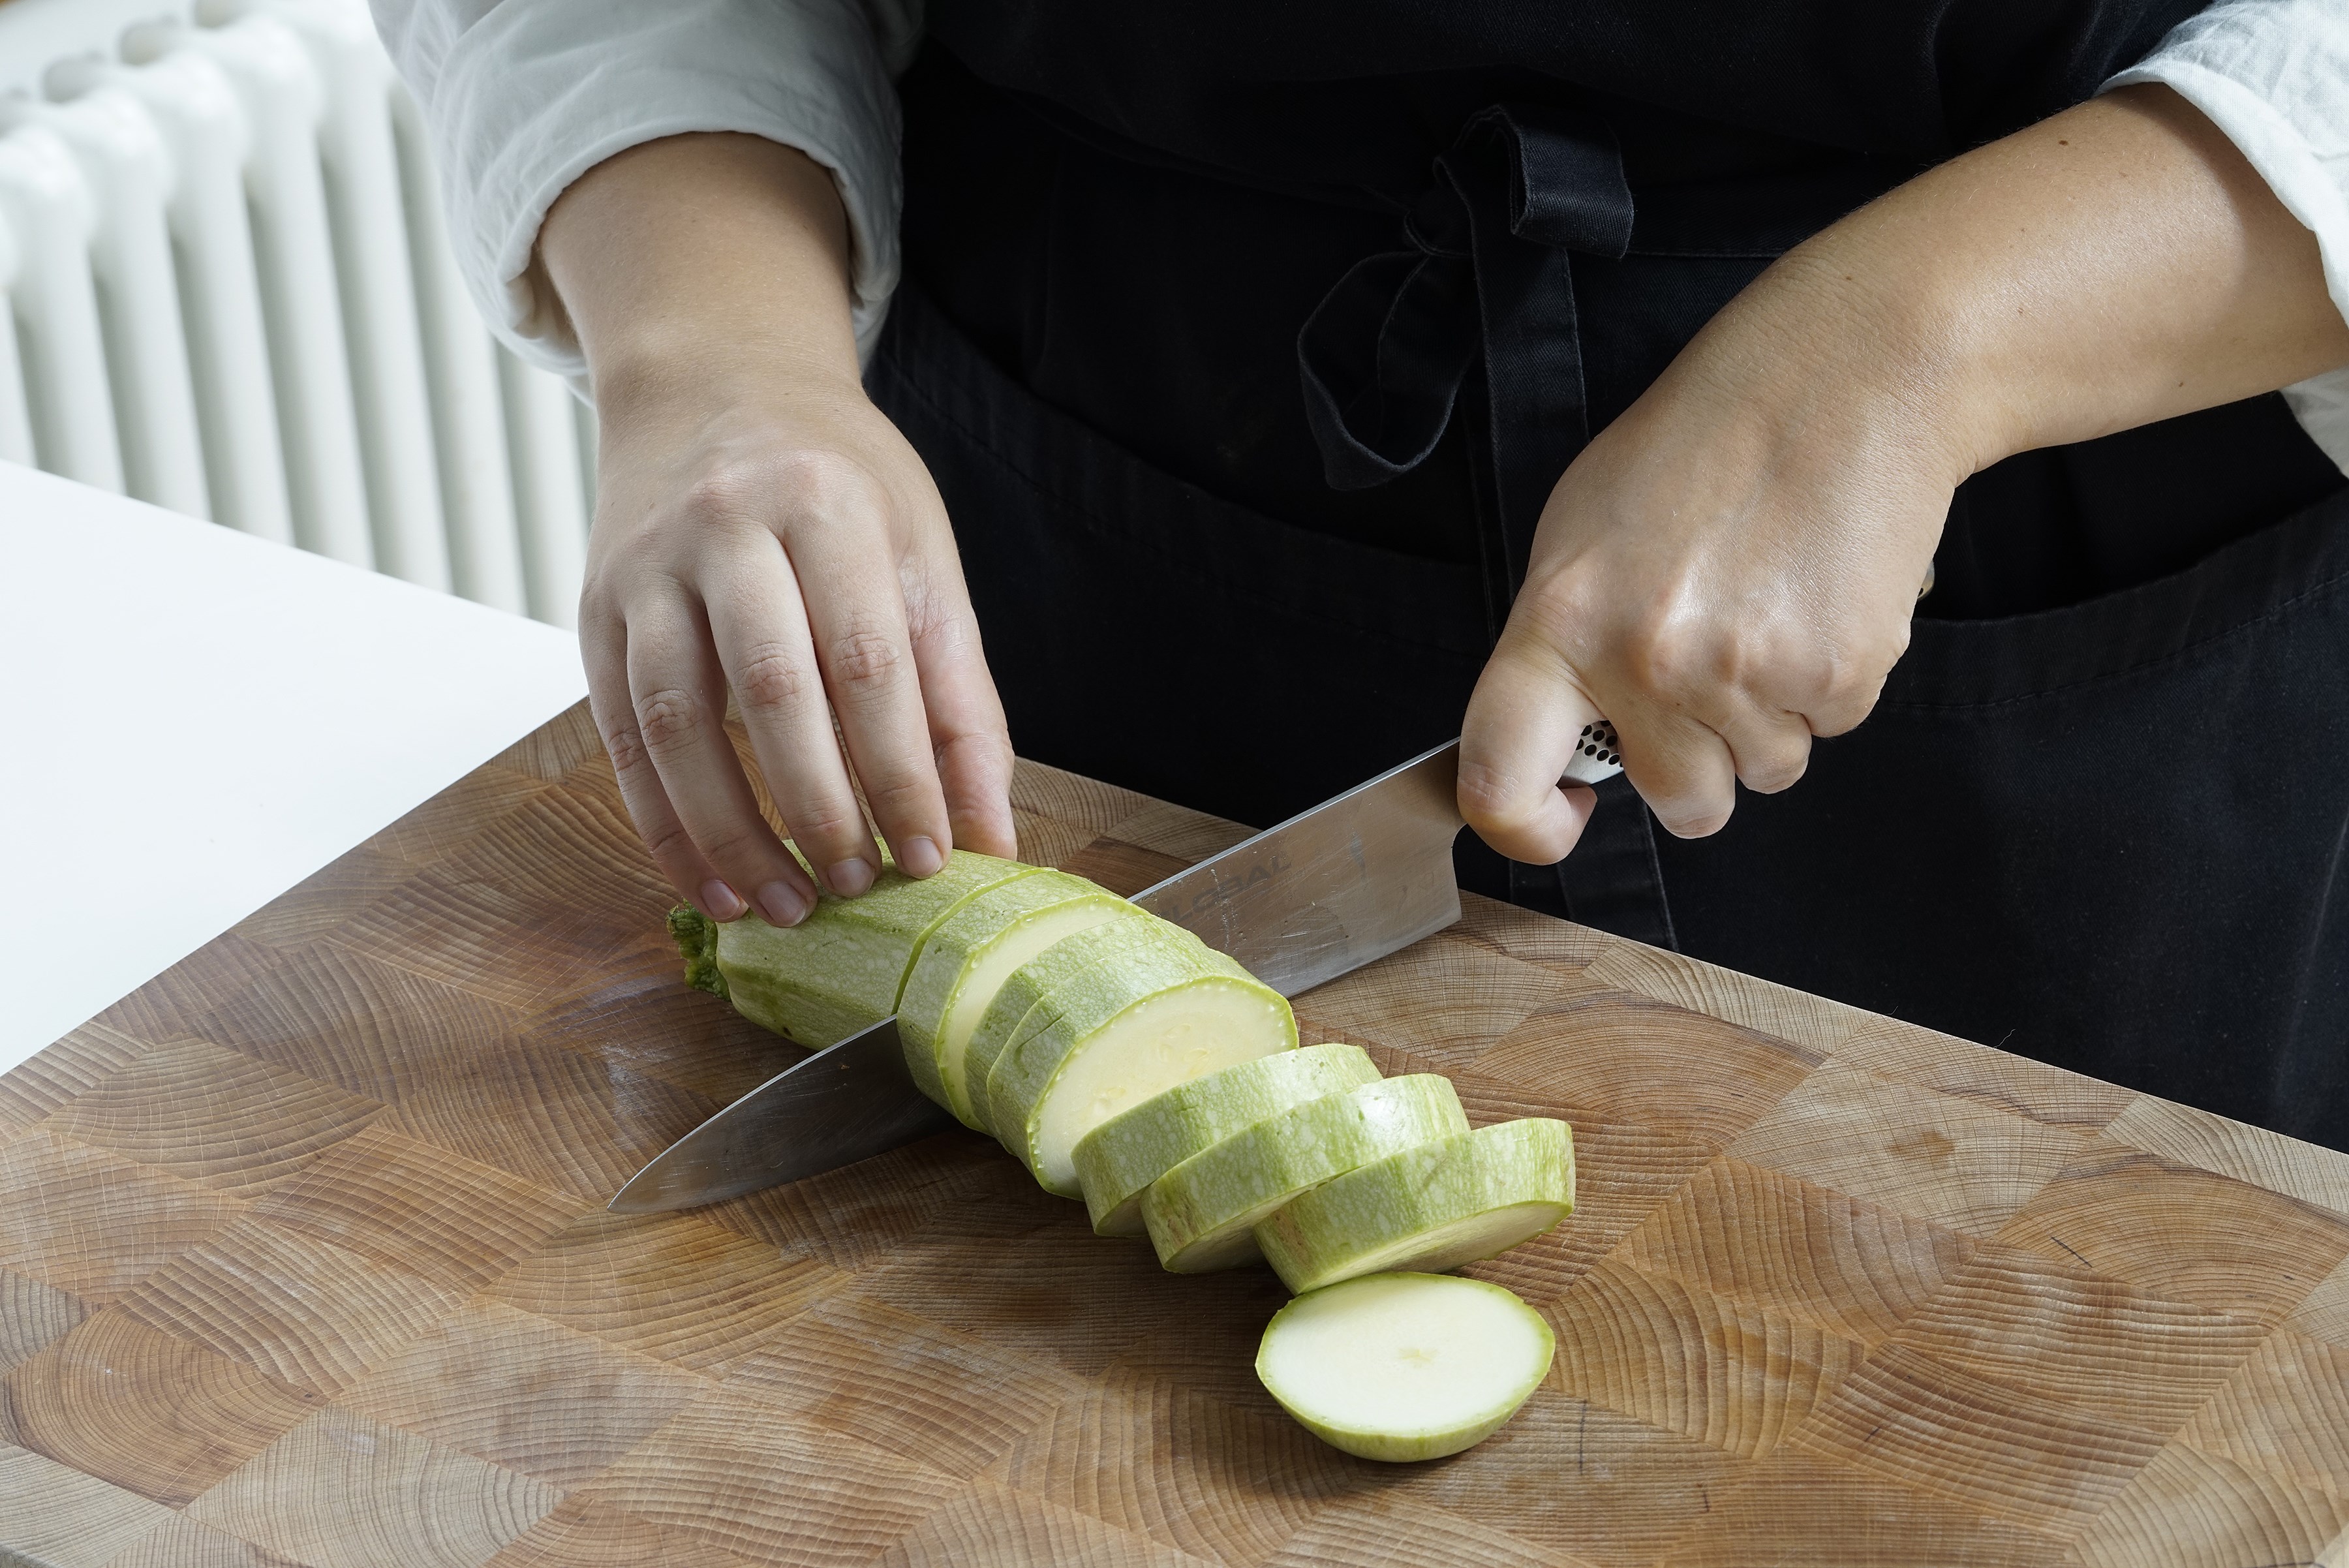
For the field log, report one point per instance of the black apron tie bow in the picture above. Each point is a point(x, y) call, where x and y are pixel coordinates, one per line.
point(1385, 356)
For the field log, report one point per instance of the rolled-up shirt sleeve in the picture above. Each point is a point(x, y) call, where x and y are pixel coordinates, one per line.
point(2273, 75)
point(522, 96)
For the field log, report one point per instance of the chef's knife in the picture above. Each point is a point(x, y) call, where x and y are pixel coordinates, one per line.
point(1353, 879)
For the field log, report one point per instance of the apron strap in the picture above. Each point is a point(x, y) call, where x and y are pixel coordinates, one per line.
point(1385, 358)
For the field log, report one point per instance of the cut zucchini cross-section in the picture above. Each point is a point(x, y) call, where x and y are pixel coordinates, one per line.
point(966, 960)
point(1404, 1366)
point(1199, 1213)
point(1431, 1208)
point(1125, 1154)
point(1107, 1018)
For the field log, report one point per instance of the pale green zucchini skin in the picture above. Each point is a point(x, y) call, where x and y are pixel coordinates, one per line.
point(1125, 1154)
point(1200, 1214)
point(1115, 978)
point(1426, 1208)
point(1029, 908)
point(1106, 949)
point(840, 970)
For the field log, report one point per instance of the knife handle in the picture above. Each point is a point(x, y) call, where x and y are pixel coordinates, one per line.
point(1595, 755)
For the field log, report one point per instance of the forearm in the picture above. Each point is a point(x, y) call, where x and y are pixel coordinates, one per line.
point(680, 257)
point(2117, 265)
point(762, 534)
point(1731, 568)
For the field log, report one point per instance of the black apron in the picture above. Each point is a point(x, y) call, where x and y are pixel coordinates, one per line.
point(1245, 349)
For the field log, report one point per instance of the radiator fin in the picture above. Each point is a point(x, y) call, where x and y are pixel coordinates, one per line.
point(228, 290)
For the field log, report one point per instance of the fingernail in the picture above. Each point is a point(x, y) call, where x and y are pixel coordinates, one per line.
point(783, 904)
point(849, 877)
point(722, 902)
point(920, 857)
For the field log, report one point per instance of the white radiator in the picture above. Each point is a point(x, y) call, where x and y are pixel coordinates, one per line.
point(228, 291)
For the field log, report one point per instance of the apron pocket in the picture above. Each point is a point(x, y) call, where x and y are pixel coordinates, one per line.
point(2108, 835)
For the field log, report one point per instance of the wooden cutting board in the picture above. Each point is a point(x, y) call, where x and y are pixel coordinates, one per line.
point(302, 1260)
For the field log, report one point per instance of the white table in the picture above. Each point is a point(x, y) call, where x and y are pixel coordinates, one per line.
point(195, 720)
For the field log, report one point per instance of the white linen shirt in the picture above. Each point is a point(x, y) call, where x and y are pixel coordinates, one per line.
point(524, 96)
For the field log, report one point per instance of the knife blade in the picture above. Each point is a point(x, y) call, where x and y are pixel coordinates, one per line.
point(1360, 875)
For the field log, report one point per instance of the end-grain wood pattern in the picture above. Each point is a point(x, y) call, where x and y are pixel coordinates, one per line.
point(302, 1262)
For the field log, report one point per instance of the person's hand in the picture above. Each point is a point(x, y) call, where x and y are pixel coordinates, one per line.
point(765, 530)
point(762, 529)
point(1729, 569)
point(1725, 572)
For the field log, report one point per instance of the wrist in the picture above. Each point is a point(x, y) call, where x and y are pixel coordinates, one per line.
point(693, 365)
point(1907, 340)
point(700, 259)
point(1843, 351)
